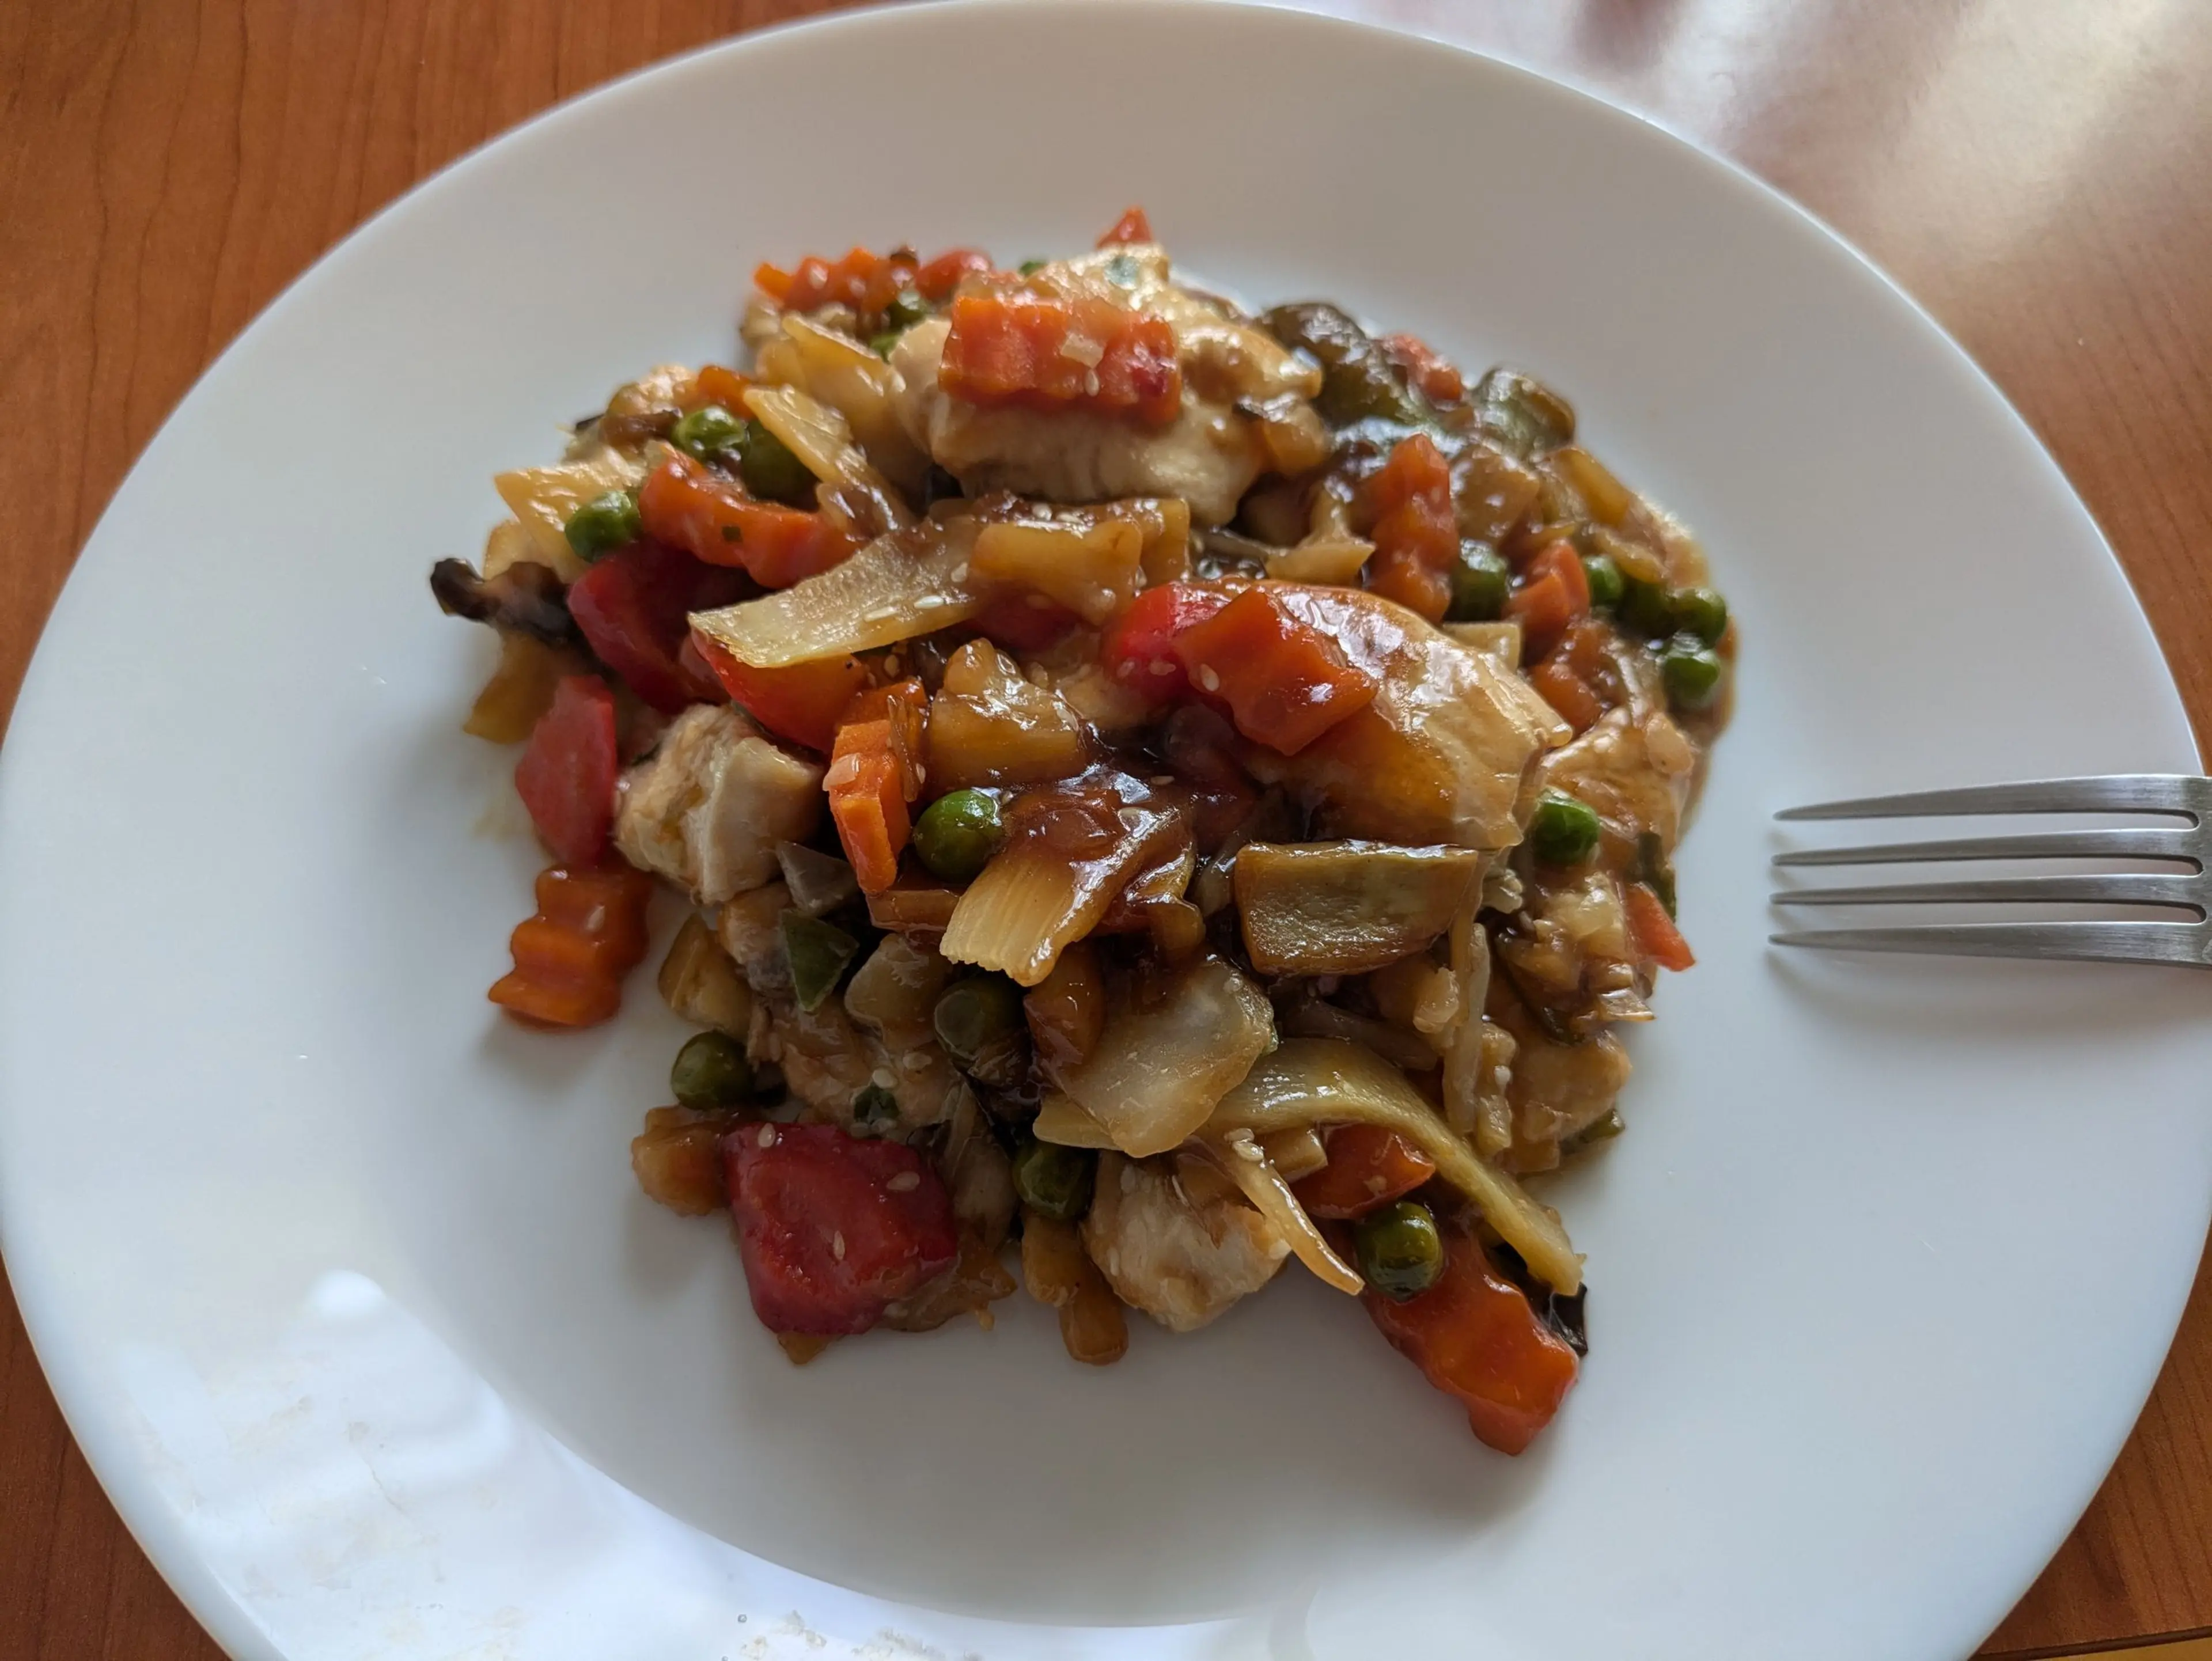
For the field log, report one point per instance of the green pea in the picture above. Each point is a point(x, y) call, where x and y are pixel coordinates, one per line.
point(1562, 831)
point(603, 524)
point(769, 469)
point(1055, 1180)
point(1691, 672)
point(979, 1021)
point(875, 1108)
point(957, 835)
point(710, 1071)
point(1605, 580)
point(1646, 607)
point(1701, 612)
point(708, 434)
point(1029, 267)
point(1400, 1253)
point(817, 952)
point(906, 309)
point(1478, 584)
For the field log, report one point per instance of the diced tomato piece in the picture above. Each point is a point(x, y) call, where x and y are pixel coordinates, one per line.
point(832, 1229)
point(1416, 528)
point(1433, 378)
point(941, 276)
point(802, 702)
point(1015, 350)
point(633, 607)
point(1558, 685)
point(865, 784)
point(1026, 622)
point(1283, 682)
point(1367, 1167)
point(1474, 1336)
point(714, 518)
point(1132, 227)
point(1555, 593)
point(569, 958)
point(1139, 650)
point(566, 775)
point(1656, 937)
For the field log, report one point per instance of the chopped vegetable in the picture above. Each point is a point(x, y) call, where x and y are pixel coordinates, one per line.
point(1066, 1010)
point(699, 982)
point(544, 499)
point(1053, 1181)
point(802, 703)
point(1132, 227)
point(834, 1229)
point(957, 835)
point(1428, 373)
point(521, 690)
point(867, 801)
point(1556, 682)
point(1522, 414)
point(900, 586)
point(708, 434)
point(818, 882)
point(1653, 870)
point(1557, 592)
point(1059, 1272)
point(1563, 831)
point(1479, 585)
point(524, 598)
point(1165, 1058)
point(1049, 354)
point(1284, 681)
point(1416, 544)
point(817, 952)
point(989, 724)
point(678, 1159)
point(1358, 379)
point(1700, 612)
point(875, 1108)
point(603, 524)
point(1367, 1167)
point(978, 1020)
point(1654, 932)
point(1691, 672)
point(1645, 606)
point(567, 776)
point(710, 1071)
point(941, 276)
point(768, 467)
point(1090, 569)
point(1400, 1253)
point(1475, 1337)
point(632, 605)
point(713, 518)
point(1603, 580)
point(1140, 650)
point(1346, 907)
point(570, 957)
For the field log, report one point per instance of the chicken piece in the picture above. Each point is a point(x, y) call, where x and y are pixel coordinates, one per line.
point(751, 929)
point(1555, 1090)
point(827, 1060)
point(1635, 772)
point(1208, 455)
point(1181, 1262)
point(707, 807)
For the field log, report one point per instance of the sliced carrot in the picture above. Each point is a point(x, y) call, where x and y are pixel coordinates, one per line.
point(1558, 685)
point(1367, 1167)
point(1416, 528)
point(716, 384)
point(867, 802)
point(570, 958)
point(1036, 352)
point(1654, 932)
point(905, 706)
point(713, 517)
point(803, 702)
point(941, 276)
point(1132, 227)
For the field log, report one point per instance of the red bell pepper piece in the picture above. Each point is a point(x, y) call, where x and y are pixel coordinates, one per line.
point(1013, 349)
point(802, 703)
point(1283, 682)
point(567, 774)
point(1026, 622)
point(1474, 1336)
point(1416, 528)
point(633, 607)
point(1656, 937)
point(1367, 1167)
point(714, 518)
point(1132, 227)
point(831, 1228)
point(1432, 377)
point(941, 276)
point(570, 958)
point(1140, 652)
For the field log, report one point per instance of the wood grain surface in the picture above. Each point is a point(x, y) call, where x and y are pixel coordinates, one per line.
point(2037, 172)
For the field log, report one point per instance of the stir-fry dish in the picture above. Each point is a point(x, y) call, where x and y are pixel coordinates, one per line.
point(1156, 791)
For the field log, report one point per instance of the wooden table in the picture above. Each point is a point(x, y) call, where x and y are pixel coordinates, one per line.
point(2038, 173)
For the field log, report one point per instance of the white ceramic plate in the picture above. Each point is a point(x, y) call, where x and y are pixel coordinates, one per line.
point(343, 1283)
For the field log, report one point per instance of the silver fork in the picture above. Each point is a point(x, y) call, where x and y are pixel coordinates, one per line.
point(2181, 795)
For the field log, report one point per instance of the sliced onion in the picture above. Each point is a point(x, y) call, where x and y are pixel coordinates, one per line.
point(1161, 1066)
point(1250, 1169)
point(1063, 1121)
point(898, 586)
point(1312, 1081)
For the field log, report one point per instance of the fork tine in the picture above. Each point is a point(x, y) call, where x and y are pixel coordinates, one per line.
point(2146, 843)
point(2134, 792)
point(2116, 888)
point(2103, 943)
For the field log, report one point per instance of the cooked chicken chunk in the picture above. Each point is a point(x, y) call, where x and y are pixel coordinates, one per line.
point(1556, 1089)
point(1208, 455)
point(827, 1060)
point(1182, 1264)
point(706, 809)
point(1635, 772)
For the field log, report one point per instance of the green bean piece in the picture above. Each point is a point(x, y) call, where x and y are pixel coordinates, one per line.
point(1701, 612)
point(1653, 871)
point(706, 434)
point(907, 308)
point(1605, 580)
point(710, 1071)
point(875, 1108)
point(1400, 1253)
point(1523, 415)
point(818, 953)
point(1646, 607)
point(1691, 672)
point(1055, 1180)
point(1479, 584)
point(769, 469)
point(1358, 380)
point(979, 1021)
point(1562, 831)
point(957, 835)
point(603, 524)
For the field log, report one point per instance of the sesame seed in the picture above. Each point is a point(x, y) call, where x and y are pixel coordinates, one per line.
point(837, 1246)
point(1207, 678)
point(767, 1138)
point(883, 1078)
point(904, 1182)
point(960, 572)
point(596, 921)
point(915, 1061)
